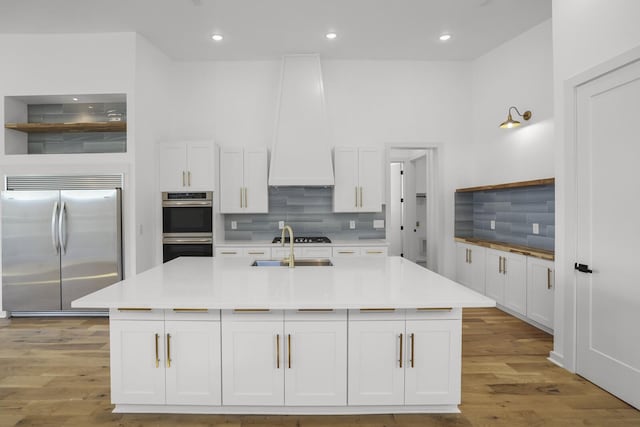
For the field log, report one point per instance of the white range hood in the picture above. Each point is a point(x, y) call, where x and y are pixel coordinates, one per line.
point(301, 151)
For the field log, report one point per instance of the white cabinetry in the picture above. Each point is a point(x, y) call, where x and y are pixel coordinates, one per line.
point(253, 252)
point(243, 180)
point(540, 290)
point(186, 166)
point(506, 279)
point(156, 362)
point(270, 362)
point(412, 362)
point(346, 251)
point(470, 266)
point(358, 180)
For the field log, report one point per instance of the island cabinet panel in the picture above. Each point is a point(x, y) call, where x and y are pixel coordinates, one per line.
point(137, 361)
point(253, 362)
point(432, 374)
point(316, 363)
point(192, 362)
point(376, 373)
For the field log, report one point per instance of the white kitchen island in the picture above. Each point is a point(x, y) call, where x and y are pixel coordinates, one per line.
point(217, 335)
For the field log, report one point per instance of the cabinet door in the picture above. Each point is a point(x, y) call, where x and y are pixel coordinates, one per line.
point(477, 266)
point(255, 181)
point(172, 166)
point(257, 253)
point(192, 362)
point(432, 373)
point(316, 363)
point(375, 373)
point(316, 252)
point(370, 175)
point(137, 362)
point(374, 251)
point(227, 251)
point(252, 363)
point(345, 191)
point(515, 285)
point(540, 289)
point(494, 279)
point(231, 180)
point(345, 251)
point(200, 162)
point(463, 269)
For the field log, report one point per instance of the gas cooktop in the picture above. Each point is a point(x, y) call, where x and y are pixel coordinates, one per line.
point(303, 240)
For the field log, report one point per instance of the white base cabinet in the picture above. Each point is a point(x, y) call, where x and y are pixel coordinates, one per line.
point(286, 362)
point(175, 362)
point(540, 291)
point(398, 362)
point(470, 266)
point(506, 279)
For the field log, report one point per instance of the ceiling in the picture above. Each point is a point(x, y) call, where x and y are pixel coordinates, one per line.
point(268, 29)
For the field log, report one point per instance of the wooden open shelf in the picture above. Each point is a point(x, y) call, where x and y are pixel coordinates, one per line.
point(533, 182)
point(68, 127)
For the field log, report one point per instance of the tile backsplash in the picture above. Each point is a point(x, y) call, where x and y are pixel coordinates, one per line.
point(309, 211)
point(514, 212)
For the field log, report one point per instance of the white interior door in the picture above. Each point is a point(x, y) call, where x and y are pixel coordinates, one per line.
point(608, 299)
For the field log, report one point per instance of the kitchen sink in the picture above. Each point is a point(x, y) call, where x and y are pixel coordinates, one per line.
point(298, 263)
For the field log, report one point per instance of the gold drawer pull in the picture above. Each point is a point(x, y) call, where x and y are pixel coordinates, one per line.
point(346, 252)
point(157, 355)
point(315, 310)
point(278, 351)
point(548, 278)
point(168, 350)
point(256, 253)
point(400, 351)
point(251, 310)
point(191, 310)
point(377, 309)
point(412, 348)
point(134, 309)
point(374, 252)
point(434, 308)
point(228, 252)
point(289, 349)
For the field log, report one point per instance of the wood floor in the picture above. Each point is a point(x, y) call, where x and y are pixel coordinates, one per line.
point(55, 372)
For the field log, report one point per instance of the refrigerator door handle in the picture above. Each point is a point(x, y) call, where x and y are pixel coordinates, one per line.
point(54, 236)
point(62, 229)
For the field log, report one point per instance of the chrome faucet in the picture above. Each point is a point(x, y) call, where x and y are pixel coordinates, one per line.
point(290, 259)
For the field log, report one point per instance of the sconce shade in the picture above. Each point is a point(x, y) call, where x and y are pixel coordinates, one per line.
point(510, 123)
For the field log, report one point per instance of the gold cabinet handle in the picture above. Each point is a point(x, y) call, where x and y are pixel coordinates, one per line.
point(190, 310)
point(434, 308)
point(289, 349)
point(377, 309)
point(499, 264)
point(346, 252)
point(412, 348)
point(168, 350)
point(134, 309)
point(241, 198)
point(356, 188)
point(256, 253)
point(400, 351)
point(548, 278)
point(183, 179)
point(228, 252)
point(250, 310)
point(466, 256)
point(157, 354)
point(189, 178)
point(504, 265)
point(361, 197)
point(315, 310)
point(470, 256)
point(277, 351)
point(374, 252)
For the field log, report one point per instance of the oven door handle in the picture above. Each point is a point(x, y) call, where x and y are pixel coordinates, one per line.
point(186, 240)
point(186, 204)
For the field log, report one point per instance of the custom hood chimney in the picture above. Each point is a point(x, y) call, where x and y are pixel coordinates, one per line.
point(301, 151)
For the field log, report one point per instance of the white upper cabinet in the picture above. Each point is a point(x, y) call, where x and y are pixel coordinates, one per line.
point(186, 166)
point(243, 180)
point(358, 180)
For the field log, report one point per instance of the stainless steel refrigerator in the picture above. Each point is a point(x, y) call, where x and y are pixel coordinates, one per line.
point(58, 246)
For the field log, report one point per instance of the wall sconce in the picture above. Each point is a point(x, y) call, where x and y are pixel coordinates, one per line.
point(510, 123)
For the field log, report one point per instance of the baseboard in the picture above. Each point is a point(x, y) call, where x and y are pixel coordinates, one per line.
point(556, 359)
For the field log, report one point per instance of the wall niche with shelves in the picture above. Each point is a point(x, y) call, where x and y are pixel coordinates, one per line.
point(65, 124)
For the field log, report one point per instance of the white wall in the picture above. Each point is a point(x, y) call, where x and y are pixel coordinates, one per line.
point(70, 64)
point(585, 34)
point(369, 103)
point(518, 73)
point(152, 125)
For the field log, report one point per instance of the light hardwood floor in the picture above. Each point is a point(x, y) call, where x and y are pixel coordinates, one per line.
point(55, 372)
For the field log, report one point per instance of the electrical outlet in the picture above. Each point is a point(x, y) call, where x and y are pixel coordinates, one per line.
point(234, 225)
point(378, 223)
point(352, 224)
point(493, 224)
point(280, 225)
point(536, 228)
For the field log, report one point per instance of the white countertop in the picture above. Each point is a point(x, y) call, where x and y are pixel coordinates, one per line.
point(231, 283)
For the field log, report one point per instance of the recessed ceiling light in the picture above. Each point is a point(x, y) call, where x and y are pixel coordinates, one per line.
point(445, 37)
point(217, 37)
point(75, 99)
point(331, 36)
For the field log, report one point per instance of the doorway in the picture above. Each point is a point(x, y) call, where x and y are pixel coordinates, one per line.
point(411, 205)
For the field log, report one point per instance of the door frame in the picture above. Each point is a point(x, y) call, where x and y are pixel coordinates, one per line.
point(565, 312)
point(434, 203)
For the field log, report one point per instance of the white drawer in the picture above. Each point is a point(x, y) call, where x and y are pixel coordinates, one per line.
point(374, 313)
point(342, 251)
point(319, 314)
point(316, 252)
point(248, 314)
point(136, 313)
point(374, 251)
point(191, 314)
point(427, 313)
point(257, 253)
point(283, 252)
point(229, 252)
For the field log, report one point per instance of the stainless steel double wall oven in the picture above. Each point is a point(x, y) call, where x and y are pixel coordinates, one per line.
point(187, 224)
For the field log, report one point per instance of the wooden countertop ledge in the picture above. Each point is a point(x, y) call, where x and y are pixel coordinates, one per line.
point(507, 247)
